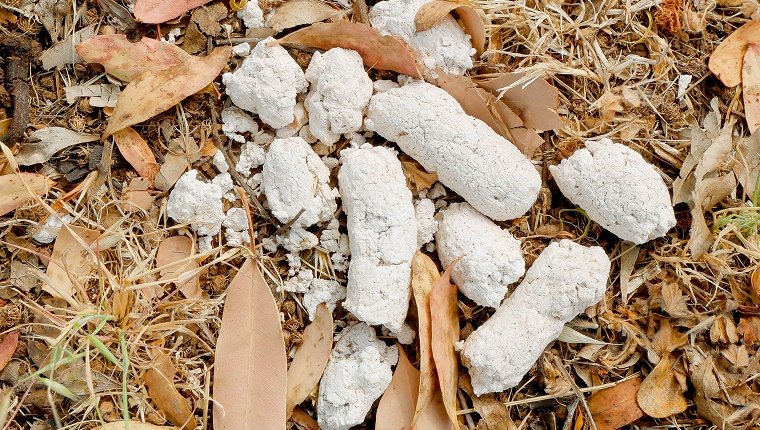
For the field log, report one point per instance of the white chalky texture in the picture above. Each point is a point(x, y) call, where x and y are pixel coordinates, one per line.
point(219, 162)
point(235, 122)
point(383, 235)
point(197, 203)
point(267, 84)
point(301, 117)
point(340, 91)
point(323, 291)
point(295, 178)
point(357, 374)
point(427, 225)
point(252, 15)
point(251, 156)
point(446, 45)
point(563, 281)
point(469, 157)
point(618, 189)
point(490, 257)
point(48, 231)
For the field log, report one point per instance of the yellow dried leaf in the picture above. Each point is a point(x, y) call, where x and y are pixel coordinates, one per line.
point(159, 380)
point(417, 178)
point(660, 394)
point(751, 86)
point(424, 276)
point(433, 13)
point(444, 324)
point(726, 61)
point(16, 189)
point(311, 358)
point(299, 12)
point(396, 408)
point(250, 366)
point(70, 263)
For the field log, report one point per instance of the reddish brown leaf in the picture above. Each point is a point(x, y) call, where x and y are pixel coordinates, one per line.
point(138, 195)
point(397, 406)
point(311, 358)
point(250, 369)
point(445, 333)
point(158, 11)
point(7, 348)
point(726, 61)
point(159, 379)
point(304, 420)
point(615, 407)
point(432, 13)
point(377, 52)
point(660, 395)
point(136, 151)
point(154, 92)
point(126, 60)
point(424, 276)
point(535, 103)
point(171, 253)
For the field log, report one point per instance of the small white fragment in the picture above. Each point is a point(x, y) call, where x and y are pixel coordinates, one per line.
point(48, 231)
point(197, 203)
point(340, 91)
point(251, 156)
point(252, 15)
point(224, 181)
point(236, 238)
point(490, 261)
point(204, 244)
point(424, 210)
point(683, 85)
point(323, 291)
point(267, 84)
point(446, 45)
point(219, 162)
point(383, 232)
point(357, 374)
point(299, 283)
point(469, 157)
point(563, 281)
point(618, 189)
point(292, 129)
point(236, 219)
point(406, 335)
point(235, 122)
point(241, 49)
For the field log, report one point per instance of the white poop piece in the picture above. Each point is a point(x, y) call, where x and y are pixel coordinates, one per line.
point(357, 374)
point(267, 84)
point(446, 45)
point(618, 189)
point(340, 91)
point(490, 257)
point(564, 280)
point(197, 203)
point(383, 235)
point(469, 157)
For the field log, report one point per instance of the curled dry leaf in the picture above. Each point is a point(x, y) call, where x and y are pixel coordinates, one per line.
point(377, 52)
point(158, 11)
point(444, 324)
point(726, 61)
point(486, 107)
point(660, 394)
point(126, 60)
point(250, 367)
point(7, 348)
point(173, 257)
point(417, 178)
point(154, 92)
point(424, 276)
point(133, 425)
point(47, 141)
point(723, 397)
point(616, 407)
point(535, 103)
point(136, 151)
point(159, 379)
point(304, 420)
point(432, 13)
point(138, 195)
point(299, 12)
point(70, 263)
point(397, 406)
point(751, 86)
point(311, 358)
point(16, 189)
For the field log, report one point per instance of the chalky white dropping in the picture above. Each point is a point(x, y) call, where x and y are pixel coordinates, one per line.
point(340, 91)
point(469, 157)
point(618, 189)
point(197, 203)
point(383, 235)
point(490, 257)
point(563, 281)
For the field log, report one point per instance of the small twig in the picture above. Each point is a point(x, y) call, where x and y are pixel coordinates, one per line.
point(236, 40)
point(576, 390)
point(290, 223)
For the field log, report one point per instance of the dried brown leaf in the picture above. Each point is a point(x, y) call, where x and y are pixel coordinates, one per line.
point(158, 11)
point(433, 13)
point(660, 394)
point(424, 276)
point(726, 61)
point(396, 408)
point(138, 195)
point(377, 52)
point(723, 397)
point(70, 263)
point(159, 380)
point(751, 86)
point(304, 420)
point(154, 92)
point(250, 385)
point(171, 252)
point(16, 189)
point(136, 151)
point(616, 407)
point(63, 53)
point(444, 324)
point(299, 12)
point(126, 60)
point(747, 165)
point(133, 425)
point(535, 103)
point(417, 178)
point(45, 142)
point(311, 358)
point(8, 348)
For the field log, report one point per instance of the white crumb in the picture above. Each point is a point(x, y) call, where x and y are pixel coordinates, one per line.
point(252, 155)
point(235, 122)
point(196, 203)
point(323, 291)
point(252, 15)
